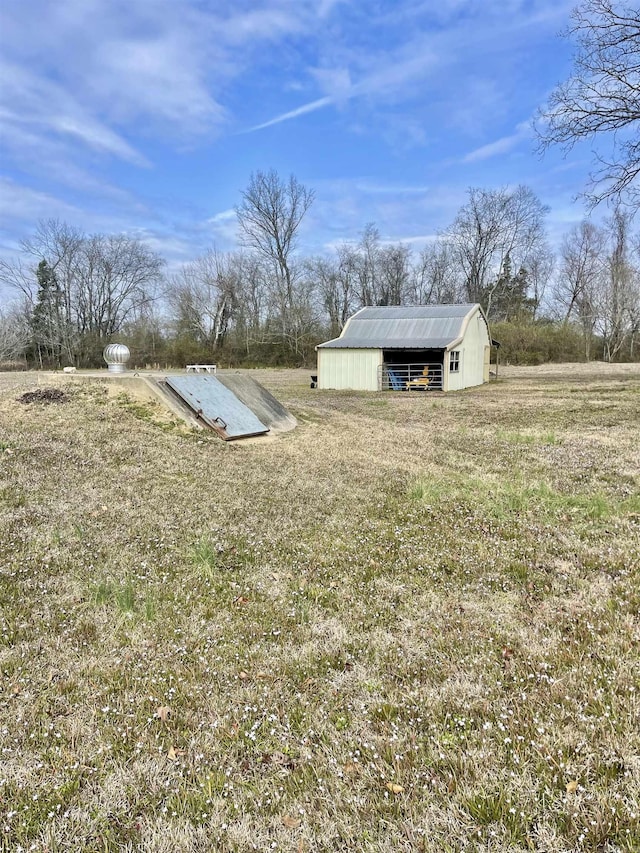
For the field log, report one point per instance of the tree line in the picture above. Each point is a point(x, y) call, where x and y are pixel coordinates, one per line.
point(269, 303)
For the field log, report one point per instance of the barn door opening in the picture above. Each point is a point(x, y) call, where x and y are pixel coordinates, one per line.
point(411, 370)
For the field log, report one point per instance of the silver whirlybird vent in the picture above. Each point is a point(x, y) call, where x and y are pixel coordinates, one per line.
point(116, 356)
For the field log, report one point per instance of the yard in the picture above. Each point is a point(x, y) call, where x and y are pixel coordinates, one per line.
point(411, 624)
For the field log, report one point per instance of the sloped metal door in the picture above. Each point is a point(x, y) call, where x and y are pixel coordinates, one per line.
point(217, 406)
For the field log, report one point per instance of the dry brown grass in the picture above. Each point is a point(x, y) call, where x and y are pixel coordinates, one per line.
point(411, 624)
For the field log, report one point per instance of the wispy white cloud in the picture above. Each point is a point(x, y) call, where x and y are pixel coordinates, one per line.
point(268, 23)
point(39, 106)
point(99, 71)
point(335, 82)
point(223, 228)
point(121, 64)
point(500, 146)
point(416, 240)
point(380, 81)
point(325, 7)
point(163, 84)
point(26, 204)
point(402, 213)
point(377, 188)
point(311, 107)
point(224, 216)
point(411, 61)
point(176, 249)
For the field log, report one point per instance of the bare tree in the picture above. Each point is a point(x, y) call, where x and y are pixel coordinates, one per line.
point(383, 271)
point(18, 276)
point(436, 278)
point(634, 316)
point(251, 300)
point(394, 273)
point(305, 318)
point(494, 230)
point(204, 295)
point(601, 98)
point(618, 302)
point(269, 216)
point(634, 309)
point(336, 279)
point(14, 334)
point(347, 283)
point(580, 276)
point(540, 270)
point(115, 276)
point(368, 251)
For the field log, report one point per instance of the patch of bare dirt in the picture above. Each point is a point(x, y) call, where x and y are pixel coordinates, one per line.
point(44, 395)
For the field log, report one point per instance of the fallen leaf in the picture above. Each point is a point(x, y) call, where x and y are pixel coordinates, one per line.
point(173, 754)
point(163, 713)
point(278, 758)
point(394, 788)
point(291, 822)
point(242, 675)
point(283, 760)
point(572, 787)
point(350, 767)
point(241, 599)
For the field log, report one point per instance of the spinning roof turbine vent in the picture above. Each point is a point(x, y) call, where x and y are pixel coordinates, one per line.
point(116, 356)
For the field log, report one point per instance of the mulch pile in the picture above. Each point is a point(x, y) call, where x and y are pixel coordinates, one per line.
point(44, 395)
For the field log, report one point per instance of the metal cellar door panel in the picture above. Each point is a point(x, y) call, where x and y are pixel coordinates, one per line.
point(217, 406)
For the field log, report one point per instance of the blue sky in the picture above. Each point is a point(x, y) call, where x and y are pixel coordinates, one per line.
point(148, 116)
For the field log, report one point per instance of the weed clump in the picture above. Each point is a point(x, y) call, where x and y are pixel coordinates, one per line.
point(44, 395)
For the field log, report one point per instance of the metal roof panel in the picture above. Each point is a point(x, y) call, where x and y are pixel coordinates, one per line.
point(389, 343)
point(404, 327)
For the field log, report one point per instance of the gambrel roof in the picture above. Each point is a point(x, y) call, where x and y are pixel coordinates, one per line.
point(403, 327)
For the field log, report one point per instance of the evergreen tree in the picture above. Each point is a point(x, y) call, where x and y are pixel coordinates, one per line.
point(46, 319)
point(509, 294)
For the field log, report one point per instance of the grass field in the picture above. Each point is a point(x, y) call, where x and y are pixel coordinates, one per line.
point(411, 624)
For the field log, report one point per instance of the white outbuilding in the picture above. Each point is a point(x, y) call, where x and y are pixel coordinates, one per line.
point(426, 347)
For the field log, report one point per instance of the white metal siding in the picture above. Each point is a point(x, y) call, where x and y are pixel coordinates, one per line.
point(476, 338)
point(355, 369)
